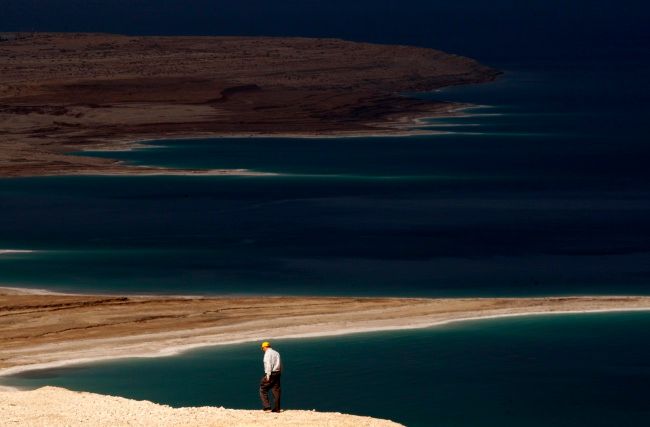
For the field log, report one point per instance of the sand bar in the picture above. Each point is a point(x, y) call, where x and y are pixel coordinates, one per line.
point(47, 330)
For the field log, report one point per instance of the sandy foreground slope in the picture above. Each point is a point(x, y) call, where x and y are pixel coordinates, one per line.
point(52, 406)
point(65, 92)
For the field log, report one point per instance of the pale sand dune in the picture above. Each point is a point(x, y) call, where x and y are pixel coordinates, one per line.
point(53, 406)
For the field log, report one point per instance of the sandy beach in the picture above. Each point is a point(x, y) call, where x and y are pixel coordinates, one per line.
point(47, 330)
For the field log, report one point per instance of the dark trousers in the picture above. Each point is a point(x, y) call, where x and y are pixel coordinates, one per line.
point(273, 384)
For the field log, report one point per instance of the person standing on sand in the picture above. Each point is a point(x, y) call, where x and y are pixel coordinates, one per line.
point(271, 378)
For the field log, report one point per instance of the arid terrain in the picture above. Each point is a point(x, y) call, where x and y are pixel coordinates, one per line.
point(62, 93)
point(38, 330)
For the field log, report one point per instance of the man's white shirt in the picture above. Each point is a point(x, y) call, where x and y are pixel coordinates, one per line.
point(271, 361)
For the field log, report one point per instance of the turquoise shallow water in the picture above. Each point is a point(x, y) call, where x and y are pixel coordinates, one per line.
point(563, 370)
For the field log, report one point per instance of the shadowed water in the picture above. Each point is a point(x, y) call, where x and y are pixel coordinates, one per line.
point(542, 190)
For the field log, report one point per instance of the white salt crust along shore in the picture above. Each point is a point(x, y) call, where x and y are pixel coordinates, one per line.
point(14, 251)
point(53, 406)
point(156, 171)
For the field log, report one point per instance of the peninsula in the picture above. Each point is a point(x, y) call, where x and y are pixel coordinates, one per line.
point(63, 93)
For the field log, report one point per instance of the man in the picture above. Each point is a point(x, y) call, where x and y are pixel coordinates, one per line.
point(271, 378)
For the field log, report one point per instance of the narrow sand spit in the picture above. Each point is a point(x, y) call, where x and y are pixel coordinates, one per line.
point(53, 406)
point(41, 331)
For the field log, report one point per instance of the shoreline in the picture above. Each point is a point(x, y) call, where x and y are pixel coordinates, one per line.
point(417, 127)
point(207, 87)
point(412, 128)
point(122, 168)
point(302, 317)
point(180, 349)
point(406, 125)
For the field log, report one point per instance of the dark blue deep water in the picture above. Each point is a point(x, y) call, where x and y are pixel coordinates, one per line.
point(542, 189)
point(570, 370)
point(488, 30)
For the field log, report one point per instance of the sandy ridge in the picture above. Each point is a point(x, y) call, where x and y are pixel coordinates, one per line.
point(52, 406)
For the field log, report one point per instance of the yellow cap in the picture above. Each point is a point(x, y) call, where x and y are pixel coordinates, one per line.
point(266, 344)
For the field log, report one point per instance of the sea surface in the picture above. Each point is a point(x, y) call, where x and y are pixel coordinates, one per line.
point(542, 189)
point(561, 370)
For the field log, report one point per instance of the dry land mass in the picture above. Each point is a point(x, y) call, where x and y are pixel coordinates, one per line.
point(44, 330)
point(63, 93)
